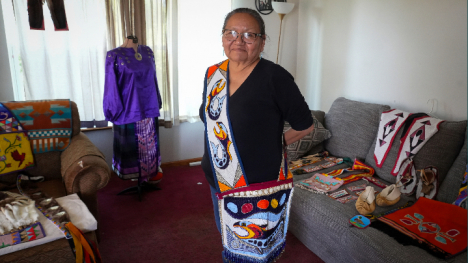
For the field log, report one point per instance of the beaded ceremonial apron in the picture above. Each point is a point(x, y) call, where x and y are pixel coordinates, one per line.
point(254, 217)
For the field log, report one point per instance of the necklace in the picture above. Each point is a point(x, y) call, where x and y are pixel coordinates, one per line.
point(138, 55)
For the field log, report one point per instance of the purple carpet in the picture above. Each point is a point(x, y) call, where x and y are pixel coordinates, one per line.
point(175, 224)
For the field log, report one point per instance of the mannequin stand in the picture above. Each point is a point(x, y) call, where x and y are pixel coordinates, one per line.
point(140, 187)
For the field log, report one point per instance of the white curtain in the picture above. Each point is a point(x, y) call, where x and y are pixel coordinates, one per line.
point(63, 64)
point(158, 16)
point(150, 21)
point(199, 46)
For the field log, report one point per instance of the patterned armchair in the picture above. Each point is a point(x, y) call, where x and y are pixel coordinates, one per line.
point(81, 169)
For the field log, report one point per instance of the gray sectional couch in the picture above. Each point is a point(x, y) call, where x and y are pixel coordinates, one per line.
point(322, 223)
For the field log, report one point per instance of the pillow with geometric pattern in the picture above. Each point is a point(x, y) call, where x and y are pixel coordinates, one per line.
point(301, 147)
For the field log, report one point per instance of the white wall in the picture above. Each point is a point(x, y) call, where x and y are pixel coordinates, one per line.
point(287, 55)
point(397, 52)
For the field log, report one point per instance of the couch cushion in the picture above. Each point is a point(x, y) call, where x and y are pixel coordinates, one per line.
point(353, 126)
point(448, 190)
point(320, 115)
point(316, 137)
point(440, 151)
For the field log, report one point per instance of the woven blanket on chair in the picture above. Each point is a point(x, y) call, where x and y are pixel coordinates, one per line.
point(48, 123)
point(15, 148)
point(437, 227)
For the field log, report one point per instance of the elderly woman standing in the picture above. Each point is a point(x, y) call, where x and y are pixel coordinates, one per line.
point(246, 101)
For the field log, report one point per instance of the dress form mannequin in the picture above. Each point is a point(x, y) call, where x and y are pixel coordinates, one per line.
point(136, 135)
point(130, 43)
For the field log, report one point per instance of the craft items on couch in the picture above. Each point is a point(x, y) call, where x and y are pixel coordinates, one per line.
point(48, 123)
point(29, 233)
point(406, 179)
point(428, 184)
point(375, 181)
point(363, 169)
point(358, 193)
point(365, 203)
point(320, 183)
point(338, 194)
point(328, 164)
point(17, 212)
point(18, 220)
point(462, 195)
point(437, 227)
point(356, 188)
point(307, 160)
point(50, 208)
point(360, 221)
point(331, 161)
point(359, 189)
point(389, 196)
point(346, 199)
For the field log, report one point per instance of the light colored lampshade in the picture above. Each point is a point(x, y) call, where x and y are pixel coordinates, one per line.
point(282, 7)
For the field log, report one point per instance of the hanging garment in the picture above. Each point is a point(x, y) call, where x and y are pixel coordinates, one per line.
point(418, 133)
point(136, 149)
point(418, 128)
point(254, 217)
point(57, 12)
point(390, 123)
point(131, 91)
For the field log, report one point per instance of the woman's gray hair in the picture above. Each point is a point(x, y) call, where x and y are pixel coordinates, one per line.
point(249, 11)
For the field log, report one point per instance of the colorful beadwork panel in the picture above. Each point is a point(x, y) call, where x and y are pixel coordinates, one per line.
point(15, 152)
point(223, 153)
point(254, 224)
point(48, 123)
point(30, 233)
point(8, 121)
point(439, 226)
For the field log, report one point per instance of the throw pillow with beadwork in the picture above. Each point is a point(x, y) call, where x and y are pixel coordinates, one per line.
point(300, 148)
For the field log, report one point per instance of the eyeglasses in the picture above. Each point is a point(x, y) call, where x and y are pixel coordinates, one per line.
point(247, 37)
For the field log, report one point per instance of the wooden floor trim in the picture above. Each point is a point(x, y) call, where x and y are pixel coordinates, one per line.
point(180, 163)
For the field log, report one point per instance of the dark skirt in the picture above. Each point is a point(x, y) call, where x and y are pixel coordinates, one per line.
point(136, 150)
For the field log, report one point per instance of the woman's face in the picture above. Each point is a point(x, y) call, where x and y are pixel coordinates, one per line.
point(237, 50)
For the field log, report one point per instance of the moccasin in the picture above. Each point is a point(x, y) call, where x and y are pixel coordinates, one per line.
point(428, 184)
point(389, 196)
point(365, 204)
point(407, 181)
